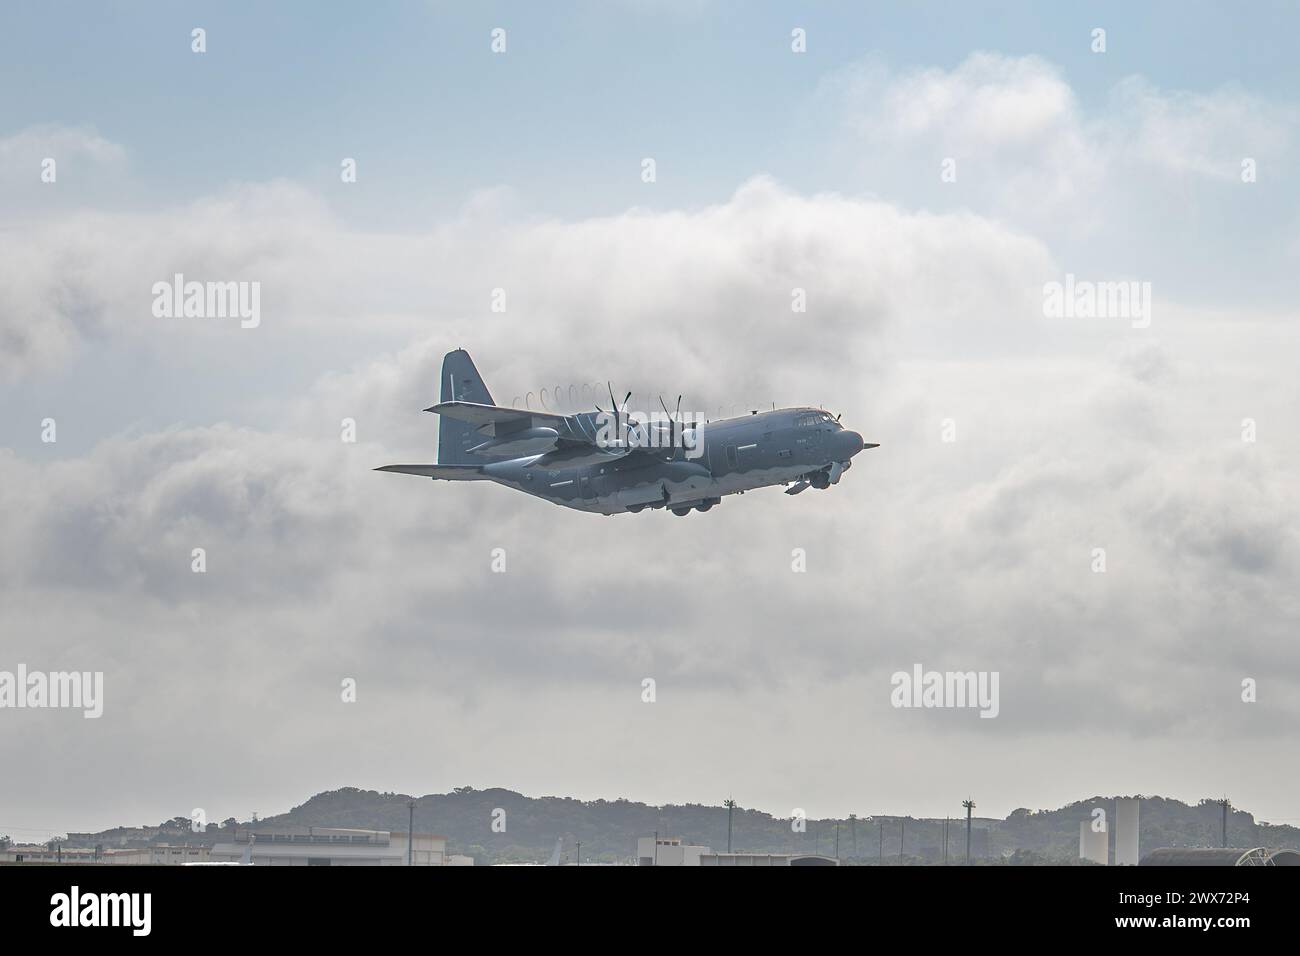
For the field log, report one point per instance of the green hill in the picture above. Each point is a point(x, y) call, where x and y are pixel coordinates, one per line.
point(608, 830)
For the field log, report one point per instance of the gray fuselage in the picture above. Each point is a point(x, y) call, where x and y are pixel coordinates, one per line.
point(729, 456)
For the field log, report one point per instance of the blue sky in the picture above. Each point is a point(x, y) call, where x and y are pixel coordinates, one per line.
point(586, 90)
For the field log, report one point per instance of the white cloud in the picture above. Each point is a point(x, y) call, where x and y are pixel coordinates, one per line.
point(1138, 169)
point(684, 285)
point(970, 555)
point(23, 151)
point(973, 555)
point(1198, 133)
point(986, 104)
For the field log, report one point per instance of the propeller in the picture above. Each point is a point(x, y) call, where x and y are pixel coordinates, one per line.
point(672, 425)
point(619, 412)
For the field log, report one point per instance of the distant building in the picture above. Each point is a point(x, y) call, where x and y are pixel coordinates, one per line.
point(1093, 844)
point(334, 846)
point(1126, 832)
point(163, 854)
point(767, 859)
point(40, 853)
point(671, 851)
point(668, 851)
point(272, 846)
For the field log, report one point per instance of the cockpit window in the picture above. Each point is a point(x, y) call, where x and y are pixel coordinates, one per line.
point(813, 419)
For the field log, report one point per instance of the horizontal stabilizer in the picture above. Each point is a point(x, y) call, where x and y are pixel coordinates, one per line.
point(481, 416)
point(446, 472)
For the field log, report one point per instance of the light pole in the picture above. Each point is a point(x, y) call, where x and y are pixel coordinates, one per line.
point(969, 804)
point(730, 805)
point(410, 831)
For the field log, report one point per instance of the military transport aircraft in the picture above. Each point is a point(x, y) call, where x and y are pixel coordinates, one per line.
point(610, 463)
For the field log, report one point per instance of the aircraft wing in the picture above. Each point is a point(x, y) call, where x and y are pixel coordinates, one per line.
point(563, 441)
point(445, 472)
point(509, 419)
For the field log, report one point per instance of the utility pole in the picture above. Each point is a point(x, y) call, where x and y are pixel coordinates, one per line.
point(969, 804)
point(945, 841)
point(730, 805)
point(837, 839)
point(1225, 803)
point(577, 854)
point(902, 831)
point(410, 831)
point(656, 848)
point(853, 830)
point(880, 854)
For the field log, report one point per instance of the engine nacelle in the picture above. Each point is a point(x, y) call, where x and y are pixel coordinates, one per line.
point(520, 444)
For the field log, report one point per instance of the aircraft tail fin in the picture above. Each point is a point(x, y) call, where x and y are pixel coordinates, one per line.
point(460, 382)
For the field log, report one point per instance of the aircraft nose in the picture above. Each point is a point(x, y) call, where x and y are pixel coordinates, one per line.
point(847, 444)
